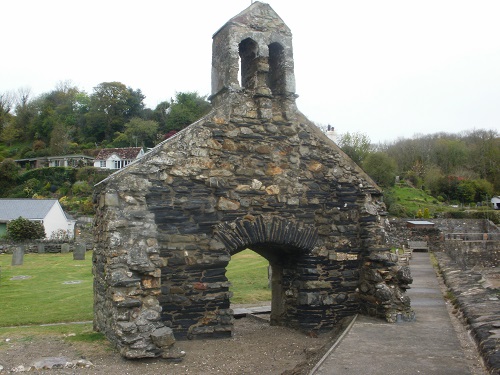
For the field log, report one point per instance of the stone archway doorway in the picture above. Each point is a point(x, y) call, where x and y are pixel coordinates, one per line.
point(280, 276)
point(287, 245)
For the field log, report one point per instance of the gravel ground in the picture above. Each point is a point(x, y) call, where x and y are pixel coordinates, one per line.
point(255, 348)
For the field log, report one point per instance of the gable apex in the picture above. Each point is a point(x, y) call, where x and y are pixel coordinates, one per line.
point(257, 17)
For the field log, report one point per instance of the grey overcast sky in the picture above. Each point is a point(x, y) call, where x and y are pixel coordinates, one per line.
point(385, 68)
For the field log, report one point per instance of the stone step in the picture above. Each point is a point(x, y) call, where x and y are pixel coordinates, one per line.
point(241, 312)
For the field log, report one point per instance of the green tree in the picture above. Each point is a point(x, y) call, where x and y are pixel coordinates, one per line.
point(60, 140)
point(25, 113)
point(112, 104)
point(10, 133)
point(6, 104)
point(381, 167)
point(22, 229)
point(63, 106)
point(355, 145)
point(450, 154)
point(160, 115)
point(185, 109)
point(9, 172)
point(466, 191)
point(432, 178)
point(483, 189)
point(484, 157)
point(139, 132)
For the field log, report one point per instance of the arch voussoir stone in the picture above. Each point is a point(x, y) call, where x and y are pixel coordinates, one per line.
point(242, 233)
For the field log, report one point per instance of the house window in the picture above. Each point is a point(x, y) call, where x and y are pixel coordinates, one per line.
point(117, 164)
point(102, 163)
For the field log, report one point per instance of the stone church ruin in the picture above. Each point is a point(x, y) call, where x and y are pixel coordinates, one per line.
point(254, 173)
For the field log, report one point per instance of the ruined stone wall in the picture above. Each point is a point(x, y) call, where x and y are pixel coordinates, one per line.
point(398, 234)
point(254, 173)
point(162, 256)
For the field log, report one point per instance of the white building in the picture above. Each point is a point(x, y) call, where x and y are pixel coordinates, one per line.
point(117, 158)
point(48, 211)
point(495, 202)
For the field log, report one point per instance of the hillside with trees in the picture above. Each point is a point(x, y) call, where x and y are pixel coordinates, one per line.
point(450, 169)
point(459, 170)
point(68, 121)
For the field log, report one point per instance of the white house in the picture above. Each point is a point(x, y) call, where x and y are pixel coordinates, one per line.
point(48, 211)
point(117, 158)
point(75, 161)
point(495, 202)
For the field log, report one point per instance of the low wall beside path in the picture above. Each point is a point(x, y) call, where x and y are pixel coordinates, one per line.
point(475, 292)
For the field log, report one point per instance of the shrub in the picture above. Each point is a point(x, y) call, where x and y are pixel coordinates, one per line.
point(22, 229)
point(426, 214)
point(81, 188)
point(398, 210)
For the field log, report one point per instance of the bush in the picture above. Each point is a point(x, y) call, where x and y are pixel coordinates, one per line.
point(398, 210)
point(81, 188)
point(22, 229)
point(91, 175)
point(55, 175)
point(494, 216)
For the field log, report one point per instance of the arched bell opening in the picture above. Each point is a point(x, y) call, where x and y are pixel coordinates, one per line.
point(248, 52)
point(276, 78)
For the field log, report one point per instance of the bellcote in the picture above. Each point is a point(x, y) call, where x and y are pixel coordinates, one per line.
point(253, 53)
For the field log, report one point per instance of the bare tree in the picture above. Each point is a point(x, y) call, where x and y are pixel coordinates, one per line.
point(7, 100)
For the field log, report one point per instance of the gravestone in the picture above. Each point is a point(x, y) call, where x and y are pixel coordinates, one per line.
point(79, 253)
point(41, 248)
point(18, 256)
point(65, 248)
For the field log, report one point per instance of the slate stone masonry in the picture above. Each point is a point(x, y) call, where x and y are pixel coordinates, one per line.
point(253, 173)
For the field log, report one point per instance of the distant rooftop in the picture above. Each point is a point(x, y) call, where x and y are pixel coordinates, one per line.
point(31, 209)
point(420, 222)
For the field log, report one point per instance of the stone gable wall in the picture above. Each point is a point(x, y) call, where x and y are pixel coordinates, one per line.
point(254, 173)
point(166, 228)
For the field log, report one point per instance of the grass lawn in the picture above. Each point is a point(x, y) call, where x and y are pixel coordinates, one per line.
point(46, 288)
point(247, 272)
point(416, 199)
point(54, 288)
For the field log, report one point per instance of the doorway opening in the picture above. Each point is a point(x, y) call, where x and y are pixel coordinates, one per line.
point(249, 276)
point(263, 276)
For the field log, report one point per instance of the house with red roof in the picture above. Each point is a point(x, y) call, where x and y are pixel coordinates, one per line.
point(117, 158)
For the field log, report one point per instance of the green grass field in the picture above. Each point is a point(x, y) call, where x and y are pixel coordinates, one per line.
point(46, 288)
point(54, 288)
point(416, 199)
point(247, 272)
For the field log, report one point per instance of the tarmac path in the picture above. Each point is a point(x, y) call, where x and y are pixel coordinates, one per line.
point(428, 345)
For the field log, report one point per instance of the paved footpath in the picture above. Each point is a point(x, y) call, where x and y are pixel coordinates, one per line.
point(427, 346)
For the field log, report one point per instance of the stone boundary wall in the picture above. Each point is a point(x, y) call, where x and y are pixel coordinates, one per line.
point(398, 233)
point(34, 247)
point(464, 225)
point(479, 305)
point(468, 254)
